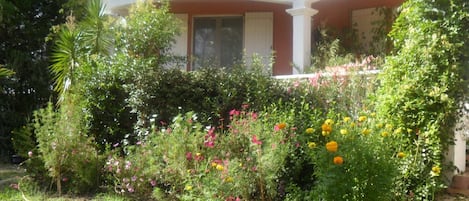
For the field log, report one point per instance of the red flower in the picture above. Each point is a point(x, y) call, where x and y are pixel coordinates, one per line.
point(255, 140)
point(189, 156)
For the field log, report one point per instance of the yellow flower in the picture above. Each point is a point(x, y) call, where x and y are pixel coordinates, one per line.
point(343, 131)
point(380, 125)
point(332, 146)
point(352, 124)
point(198, 154)
point(329, 122)
point(338, 160)
point(366, 131)
point(228, 179)
point(389, 126)
point(436, 170)
point(409, 130)
point(385, 134)
point(362, 118)
point(214, 164)
point(311, 145)
point(401, 155)
point(219, 167)
point(310, 130)
point(398, 131)
point(347, 119)
point(188, 188)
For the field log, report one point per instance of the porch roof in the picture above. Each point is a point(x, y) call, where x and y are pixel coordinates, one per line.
point(117, 6)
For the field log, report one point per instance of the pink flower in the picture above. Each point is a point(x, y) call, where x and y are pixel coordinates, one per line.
point(314, 81)
point(296, 84)
point(14, 186)
point(255, 140)
point(134, 178)
point(276, 128)
point(254, 115)
point(245, 106)
point(127, 165)
point(234, 112)
point(153, 183)
point(64, 179)
point(210, 138)
point(209, 144)
point(189, 156)
point(130, 189)
point(30, 154)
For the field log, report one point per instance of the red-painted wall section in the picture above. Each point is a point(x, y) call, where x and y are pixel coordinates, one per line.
point(282, 36)
point(338, 13)
point(335, 13)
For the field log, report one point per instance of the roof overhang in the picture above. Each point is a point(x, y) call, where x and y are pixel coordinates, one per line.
point(121, 6)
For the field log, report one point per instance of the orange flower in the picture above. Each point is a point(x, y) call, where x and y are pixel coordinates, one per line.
point(338, 160)
point(326, 129)
point(332, 146)
point(281, 126)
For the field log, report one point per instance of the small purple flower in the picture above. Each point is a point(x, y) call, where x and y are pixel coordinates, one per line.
point(134, 178)
point(153, 183)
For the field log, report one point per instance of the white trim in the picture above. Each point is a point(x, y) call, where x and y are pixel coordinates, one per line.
point(325, 74)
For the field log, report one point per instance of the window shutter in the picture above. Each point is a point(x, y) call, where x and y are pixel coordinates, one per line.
point(258, 35)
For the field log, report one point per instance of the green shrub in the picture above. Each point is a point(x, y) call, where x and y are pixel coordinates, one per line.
point(422, 87)
point(187, 162)
point(352, 161)
point(69, 156)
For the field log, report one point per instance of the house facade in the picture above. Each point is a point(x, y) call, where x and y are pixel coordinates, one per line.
point(222, 32)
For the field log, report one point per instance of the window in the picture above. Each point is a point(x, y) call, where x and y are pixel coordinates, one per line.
point(218, 41)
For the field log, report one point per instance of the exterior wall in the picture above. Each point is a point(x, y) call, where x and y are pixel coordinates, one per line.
point(337, 13)
point(282, 30)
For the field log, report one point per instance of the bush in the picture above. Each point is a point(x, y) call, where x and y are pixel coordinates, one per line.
point(422, 86)
point(186, 161)
point(67, 154)
point(351, 160)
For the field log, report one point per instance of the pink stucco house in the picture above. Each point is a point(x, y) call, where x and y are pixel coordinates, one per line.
point(223, 30)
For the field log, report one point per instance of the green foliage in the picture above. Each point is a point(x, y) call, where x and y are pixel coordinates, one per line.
point(422, 84)
point(359, 167)
point(23, 27)
point(186, 162)
point(5, 72)
point(153, 22)
point(329, 51)
point(68, 155)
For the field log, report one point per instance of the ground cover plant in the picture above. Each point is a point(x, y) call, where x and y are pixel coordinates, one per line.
point(130, 125)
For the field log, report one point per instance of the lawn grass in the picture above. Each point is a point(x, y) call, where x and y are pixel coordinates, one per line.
point(10, 194)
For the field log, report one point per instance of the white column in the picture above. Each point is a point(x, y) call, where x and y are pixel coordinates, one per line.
point(302, 13)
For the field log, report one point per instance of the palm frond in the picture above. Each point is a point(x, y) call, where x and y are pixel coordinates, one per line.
point(96, 39)
point(5, 72)
point(64, 58)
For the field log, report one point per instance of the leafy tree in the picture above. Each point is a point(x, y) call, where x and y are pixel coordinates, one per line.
point(423, 87)
point(24, 25)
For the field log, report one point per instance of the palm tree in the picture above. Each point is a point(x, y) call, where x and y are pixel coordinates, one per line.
point(76, 43)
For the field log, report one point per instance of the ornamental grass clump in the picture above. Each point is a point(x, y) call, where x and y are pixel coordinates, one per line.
point(352, 165)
